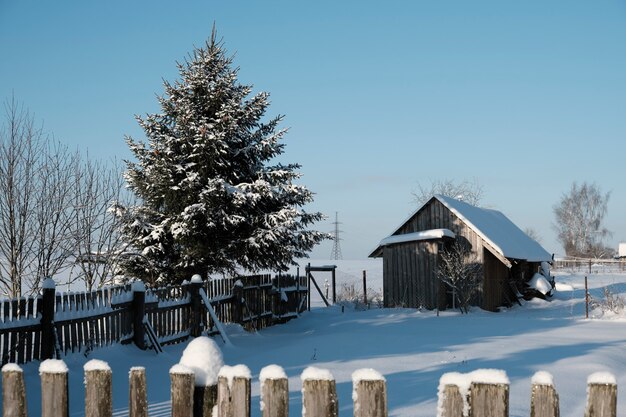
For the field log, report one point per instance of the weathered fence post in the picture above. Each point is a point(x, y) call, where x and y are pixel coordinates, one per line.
point(274, 392)
point(204, 400)
point(369, 393)
point(238, 301)
point(54, 388)
point(319, 393)
point(365, 288)
point(602, 395)
point(98, 389)
point(196, 305)
point(47, 318)
point(13, 391)
point(139, 310)
point(489, 399)
point(233, 391)
point(182, 385)
point(137, 396)
point(451, 401)
point(544, 400)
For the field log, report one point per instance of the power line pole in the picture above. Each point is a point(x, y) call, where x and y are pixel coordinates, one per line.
point(336, 252)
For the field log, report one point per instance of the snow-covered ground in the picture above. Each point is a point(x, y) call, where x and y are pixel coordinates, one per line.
point(412, 349)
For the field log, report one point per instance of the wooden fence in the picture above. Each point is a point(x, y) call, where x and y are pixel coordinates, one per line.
point(54, 324)
point(231, 396)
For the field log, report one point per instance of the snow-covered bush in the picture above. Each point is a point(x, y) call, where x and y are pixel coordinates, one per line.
point(204, 358)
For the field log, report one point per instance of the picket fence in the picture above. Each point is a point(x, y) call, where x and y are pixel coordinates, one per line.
point(231, 395)
point(54, 324)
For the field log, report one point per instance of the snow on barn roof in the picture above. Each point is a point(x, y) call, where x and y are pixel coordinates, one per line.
point(432, 234)
point(500, 232)
point(412, 237)
point(491, 225)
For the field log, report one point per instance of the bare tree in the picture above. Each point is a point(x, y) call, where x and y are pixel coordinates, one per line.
point(20, 150)
point(53, 246)
point(469, 191)
point(460, 269)
point(578, 220)
point(98, 245)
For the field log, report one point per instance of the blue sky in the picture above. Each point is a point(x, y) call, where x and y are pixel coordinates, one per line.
point(524, 97)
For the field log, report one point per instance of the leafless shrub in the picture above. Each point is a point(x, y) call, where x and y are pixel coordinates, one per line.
point(460, 269)
point(350, 293)
point(610, 302)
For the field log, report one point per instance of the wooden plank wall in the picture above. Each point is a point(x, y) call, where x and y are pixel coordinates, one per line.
point(412, 266)
point(409, 275)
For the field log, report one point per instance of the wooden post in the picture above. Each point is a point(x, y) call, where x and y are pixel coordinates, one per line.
point(298, 291)
point(204, 400)
point(334, 287)
point(13, 391)
point(196, 306)
point(137, 398)
point(364, 287)
point(452, 401)
point(589, 266)
point(182, 387)
point(369, 394)
point(602, 395)
point(98, 389)
point(237, 299)
point(138, 307)
point(489, 400)
point(544, 401)
point(47, 319)
point(274, 392)
point(233, 392)
point(54, 388)
point(586, 299)
point(319, 394)
point(308, 287)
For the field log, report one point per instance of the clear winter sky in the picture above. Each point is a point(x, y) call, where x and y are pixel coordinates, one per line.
point(525, 97)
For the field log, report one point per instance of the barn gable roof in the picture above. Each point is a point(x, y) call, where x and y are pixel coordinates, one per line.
point(495, 228)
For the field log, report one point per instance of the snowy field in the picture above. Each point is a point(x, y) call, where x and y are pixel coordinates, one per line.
point(411, 348)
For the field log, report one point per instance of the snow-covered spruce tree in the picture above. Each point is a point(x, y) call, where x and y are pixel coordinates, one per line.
point(212, 196)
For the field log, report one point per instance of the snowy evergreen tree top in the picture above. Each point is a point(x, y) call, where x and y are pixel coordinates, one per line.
point(212, 198)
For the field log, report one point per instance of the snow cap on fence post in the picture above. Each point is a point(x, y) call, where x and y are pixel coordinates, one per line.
point(455, 390)
point(13, 391)
point(48, 284)
point(196, 279)
point(138, 286)
point(54, 388)
point(601, 395)
point(319, 393)
point(204, 358)
point(233, 391)
point(274, 392)
point(369, 393)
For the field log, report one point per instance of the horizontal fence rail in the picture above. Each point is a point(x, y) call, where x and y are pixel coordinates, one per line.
point(482, 393)
point(55, 324)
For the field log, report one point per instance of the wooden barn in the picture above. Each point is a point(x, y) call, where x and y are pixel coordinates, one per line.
point(509, 257)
